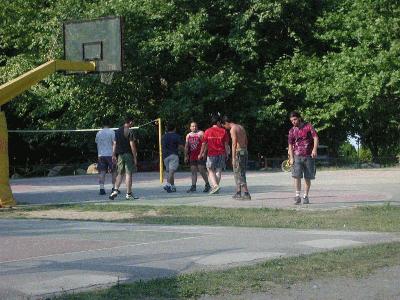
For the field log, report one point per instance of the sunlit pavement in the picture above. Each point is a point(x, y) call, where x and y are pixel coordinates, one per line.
point(331, 189)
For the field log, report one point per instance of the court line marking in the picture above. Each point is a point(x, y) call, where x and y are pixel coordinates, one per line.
point(62, 231)
point(101, 249)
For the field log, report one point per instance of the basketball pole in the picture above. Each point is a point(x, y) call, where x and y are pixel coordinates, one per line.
point(17, 86)
point(6, 197)
point(160, 150)
point(12, 89)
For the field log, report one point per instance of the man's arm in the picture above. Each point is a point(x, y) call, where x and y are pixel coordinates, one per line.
point(114, 149)
point(290, 147)
point(186, 149)
point(290, 153)
point(202, 151)
point(201, 134)
point(134, 152)
point(315, 139)
point(204, 146)
point(315, 148)
point(234, 145)
point(227, 151)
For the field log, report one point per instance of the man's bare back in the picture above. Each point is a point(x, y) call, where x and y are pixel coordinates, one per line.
point(238, 133)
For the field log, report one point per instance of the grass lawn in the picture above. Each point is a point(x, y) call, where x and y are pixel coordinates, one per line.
point(366, 218)
point(356, 262)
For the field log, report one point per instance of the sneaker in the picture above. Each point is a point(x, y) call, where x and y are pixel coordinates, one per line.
point(168, 189)
point(237, 196)
point(207, 188)
point(297, 200)
point(113, 194)
point(306, 200)
point(173, 189)
point(114, 189)
point(165, 187)
point(102, 192)
point(215, 190)
point(130, 196)
point(246, 196)
point(192, 189)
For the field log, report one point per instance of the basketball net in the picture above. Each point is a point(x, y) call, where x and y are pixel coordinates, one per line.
point(106, 77)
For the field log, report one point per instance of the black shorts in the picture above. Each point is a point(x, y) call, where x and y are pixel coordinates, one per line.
point(304, 165)
point(105, 164)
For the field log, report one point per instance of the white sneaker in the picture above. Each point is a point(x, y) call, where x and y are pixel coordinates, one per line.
point(130, 196)
point(215, 190)
point(113, 194)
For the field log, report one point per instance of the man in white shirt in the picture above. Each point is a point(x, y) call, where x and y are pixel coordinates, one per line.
point(104, 140)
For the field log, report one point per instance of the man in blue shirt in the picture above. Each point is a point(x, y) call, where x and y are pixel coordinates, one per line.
point(171, 142)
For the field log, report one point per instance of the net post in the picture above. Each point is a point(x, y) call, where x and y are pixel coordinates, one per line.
point(160, 150)
point(6, 196)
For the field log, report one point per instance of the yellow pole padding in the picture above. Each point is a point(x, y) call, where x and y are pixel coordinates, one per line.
point(79, 66)
point(160, 151)
point(17, 86)
point(6, 197)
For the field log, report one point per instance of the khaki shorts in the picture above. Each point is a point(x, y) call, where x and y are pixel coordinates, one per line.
point(171, 162)
point(125, 164)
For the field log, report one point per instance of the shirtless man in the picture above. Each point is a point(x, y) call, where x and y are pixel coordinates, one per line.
point(239, 157)
point(192, 150)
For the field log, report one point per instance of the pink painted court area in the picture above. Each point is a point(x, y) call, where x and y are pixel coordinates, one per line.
point(332, 189)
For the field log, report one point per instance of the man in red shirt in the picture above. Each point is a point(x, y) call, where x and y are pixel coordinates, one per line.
point(303, 144)
point(216, 142)
point(192, 150)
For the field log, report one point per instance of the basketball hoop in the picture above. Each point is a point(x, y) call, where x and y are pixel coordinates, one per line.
point(98, 40)
point(106, 77)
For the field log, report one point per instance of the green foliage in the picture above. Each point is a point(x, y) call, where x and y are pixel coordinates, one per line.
point(365, 155)
point(352, 87)
point(255, 60)
point(348, 152)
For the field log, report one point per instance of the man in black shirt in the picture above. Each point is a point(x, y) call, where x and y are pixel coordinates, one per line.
point(125, 155)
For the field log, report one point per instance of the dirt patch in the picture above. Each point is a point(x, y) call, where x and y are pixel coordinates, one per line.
point(152, 213)
point(79, 215)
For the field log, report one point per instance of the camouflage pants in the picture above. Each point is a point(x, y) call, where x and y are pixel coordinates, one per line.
point(239, 169)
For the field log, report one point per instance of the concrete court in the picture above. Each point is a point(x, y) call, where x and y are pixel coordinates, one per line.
point(330, 190)
point(42, 257)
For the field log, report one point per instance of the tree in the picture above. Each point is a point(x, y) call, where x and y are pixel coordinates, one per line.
point(352, 87)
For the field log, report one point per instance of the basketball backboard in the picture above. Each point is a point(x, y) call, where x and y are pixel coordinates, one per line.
point(99, 40)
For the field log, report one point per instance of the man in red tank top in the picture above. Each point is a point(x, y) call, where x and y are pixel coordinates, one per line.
point(192, 150)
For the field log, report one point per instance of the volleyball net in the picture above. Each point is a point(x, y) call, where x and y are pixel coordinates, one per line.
point(52, 152)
